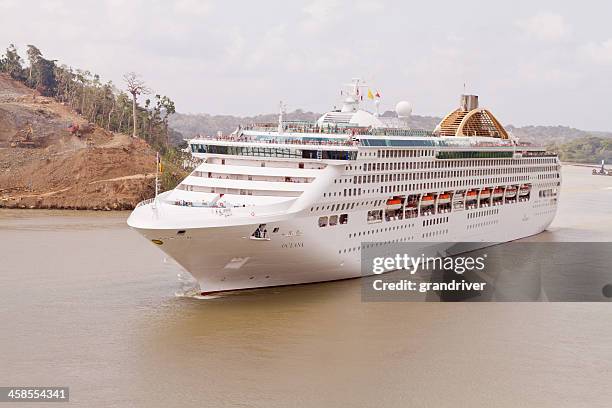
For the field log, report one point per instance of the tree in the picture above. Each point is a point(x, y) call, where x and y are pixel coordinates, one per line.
point(135, 86)
point(34, 55)
point(11, 63)
point(166, 107)
point(44, 77)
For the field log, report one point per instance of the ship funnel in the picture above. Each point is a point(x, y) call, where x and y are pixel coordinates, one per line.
point(468, 102)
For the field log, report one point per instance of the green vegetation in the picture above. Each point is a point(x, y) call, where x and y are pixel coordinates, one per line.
point(588, 149)
point(173, 173)
point(11, 63)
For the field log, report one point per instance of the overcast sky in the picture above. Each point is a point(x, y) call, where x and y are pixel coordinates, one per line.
point(531, 62)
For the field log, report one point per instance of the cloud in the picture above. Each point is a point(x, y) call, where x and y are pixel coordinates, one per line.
point(236, 45)
point(7, 4)
point(599, 52)
point(197, 8)
point(545, 27)
point(369, 6)
point(320, 14)
point(542, 72)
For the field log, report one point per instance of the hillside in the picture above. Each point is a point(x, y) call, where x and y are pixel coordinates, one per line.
point(553, 134)
point(44, 165)
point(588, 149)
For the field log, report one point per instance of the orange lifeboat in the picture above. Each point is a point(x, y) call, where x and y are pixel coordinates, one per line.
point(524, 190)
point(394, 204)
point(471, 195)
point(427, 200)
point(511, 192)
point(498, 192)
point(444, 198)
point(486, 193)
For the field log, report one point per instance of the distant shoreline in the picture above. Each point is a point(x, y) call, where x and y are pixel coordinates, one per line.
point(580, 164)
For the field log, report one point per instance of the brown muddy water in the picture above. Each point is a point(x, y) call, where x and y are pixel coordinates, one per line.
point(87, 303)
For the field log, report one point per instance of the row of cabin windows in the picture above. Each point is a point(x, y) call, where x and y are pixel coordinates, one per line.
point(405, 153)
point(432, 234)
point(333, 220)
point(483, 224)
point(484, 213)
point(397, 153)
point(434, 221)
point(550, 192)
point(382, 178)
point(236, 191)
point(377, 244)
point(251, 177)
point(546, 212)
point(438, 164)
point(547, 176)
point(277, 164)
point(380, 230)
point(346, 206)
point(412, 165)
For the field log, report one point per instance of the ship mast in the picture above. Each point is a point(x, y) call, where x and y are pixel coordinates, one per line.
point(281, 112)
point(351, 102)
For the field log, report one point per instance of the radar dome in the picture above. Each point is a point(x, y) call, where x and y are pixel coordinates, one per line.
point(403, 109)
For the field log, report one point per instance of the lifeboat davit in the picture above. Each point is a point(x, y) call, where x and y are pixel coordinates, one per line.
point(486, 193)
point(427, 200)
point(524, 190)
point(444, 198)
point(498, 192)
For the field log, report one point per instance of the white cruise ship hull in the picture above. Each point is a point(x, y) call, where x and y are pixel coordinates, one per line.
point(225, 258)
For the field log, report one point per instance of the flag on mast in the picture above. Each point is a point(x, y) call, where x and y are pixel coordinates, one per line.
point(160, 166)
point(370, 94)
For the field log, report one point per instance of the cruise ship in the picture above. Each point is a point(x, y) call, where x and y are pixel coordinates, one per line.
point(292, 202)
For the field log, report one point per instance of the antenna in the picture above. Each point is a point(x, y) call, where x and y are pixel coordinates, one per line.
point(281, 112)
point(354, 96)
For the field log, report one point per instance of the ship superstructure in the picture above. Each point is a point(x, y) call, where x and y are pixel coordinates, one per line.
point(292, 202)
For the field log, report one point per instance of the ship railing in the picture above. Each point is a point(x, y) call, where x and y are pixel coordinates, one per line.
point(291, 141)
point(337, 129)
point(145, 202)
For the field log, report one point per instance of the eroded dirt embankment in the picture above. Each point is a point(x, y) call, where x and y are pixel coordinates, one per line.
point(44, 165)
